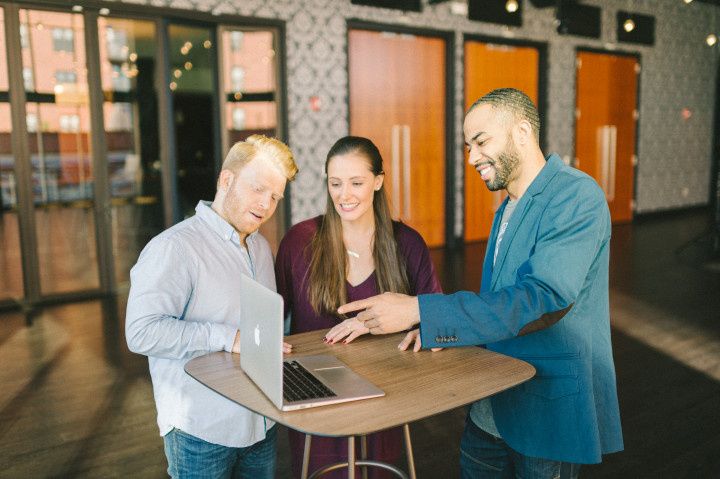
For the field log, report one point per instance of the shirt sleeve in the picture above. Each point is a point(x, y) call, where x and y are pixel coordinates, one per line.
point(575, 229)
point(161, 289)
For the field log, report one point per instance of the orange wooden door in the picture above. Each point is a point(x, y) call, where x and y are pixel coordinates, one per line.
point(397, 99)
point(605, 125)
point(487, 67)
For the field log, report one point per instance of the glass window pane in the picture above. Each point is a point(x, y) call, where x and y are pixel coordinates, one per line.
point(11, 276)
point(253, 61)
point(193, 65)
point(247, 118)
point(249, 85)
point(127, 63)
point(62, 173)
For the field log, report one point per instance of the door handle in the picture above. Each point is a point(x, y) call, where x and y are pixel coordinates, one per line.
point(612, 159)
point(395, 165)
point(607, 152)
point(407, 185)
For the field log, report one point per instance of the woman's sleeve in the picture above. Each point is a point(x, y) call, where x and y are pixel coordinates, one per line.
point(421, 271)
point(284, 273)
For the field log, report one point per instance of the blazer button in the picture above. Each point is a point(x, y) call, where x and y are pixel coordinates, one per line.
point(438, 339)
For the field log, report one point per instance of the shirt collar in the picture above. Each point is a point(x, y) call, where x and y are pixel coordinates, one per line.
point(218, 224)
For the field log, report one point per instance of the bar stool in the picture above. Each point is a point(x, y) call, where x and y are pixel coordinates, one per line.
point(363, 462)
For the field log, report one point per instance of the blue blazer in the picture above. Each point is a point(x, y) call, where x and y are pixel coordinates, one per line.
point(545, 301)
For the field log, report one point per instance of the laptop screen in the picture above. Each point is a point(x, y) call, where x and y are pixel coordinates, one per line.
point(261, 337)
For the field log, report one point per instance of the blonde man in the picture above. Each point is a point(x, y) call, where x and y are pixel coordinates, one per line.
point(184, 302)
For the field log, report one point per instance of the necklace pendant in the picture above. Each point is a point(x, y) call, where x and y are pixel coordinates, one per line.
point(352, 253)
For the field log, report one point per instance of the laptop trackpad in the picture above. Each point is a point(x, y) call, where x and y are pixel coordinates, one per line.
point(336, 377)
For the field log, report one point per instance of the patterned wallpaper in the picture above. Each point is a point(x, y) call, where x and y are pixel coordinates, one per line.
point(679, 71)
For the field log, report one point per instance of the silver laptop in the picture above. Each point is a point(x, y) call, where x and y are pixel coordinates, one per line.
point(293, 382)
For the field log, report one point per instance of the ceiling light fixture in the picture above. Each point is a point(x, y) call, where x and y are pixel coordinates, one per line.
point(511, 6)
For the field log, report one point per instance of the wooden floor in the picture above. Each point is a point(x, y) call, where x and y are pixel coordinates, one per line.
point(75, 403)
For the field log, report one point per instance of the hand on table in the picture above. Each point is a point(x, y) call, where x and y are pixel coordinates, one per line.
point(348, 329)
point(411, 336)
point(385, 313)
point(287, 347)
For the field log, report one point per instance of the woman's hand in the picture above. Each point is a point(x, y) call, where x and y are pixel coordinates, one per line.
point(348, 329)
point(411, 336)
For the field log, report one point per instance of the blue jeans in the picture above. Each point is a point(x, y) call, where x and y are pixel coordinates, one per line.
point(192, 458)
point(485, 456)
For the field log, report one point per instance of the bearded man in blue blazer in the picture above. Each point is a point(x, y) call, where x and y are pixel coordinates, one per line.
point(543, 299)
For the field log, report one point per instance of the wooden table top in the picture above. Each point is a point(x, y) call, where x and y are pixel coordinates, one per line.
point(416, 385)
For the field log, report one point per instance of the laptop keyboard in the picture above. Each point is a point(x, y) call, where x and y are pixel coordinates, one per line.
point(299, 384)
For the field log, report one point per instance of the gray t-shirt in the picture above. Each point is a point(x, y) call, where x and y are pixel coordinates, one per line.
point(509, 210)
point(481, 411)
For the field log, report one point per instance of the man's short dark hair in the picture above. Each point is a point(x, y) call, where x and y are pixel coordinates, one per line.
point(515, 102)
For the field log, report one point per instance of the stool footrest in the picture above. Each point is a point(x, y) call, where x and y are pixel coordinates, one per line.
point(340, 465)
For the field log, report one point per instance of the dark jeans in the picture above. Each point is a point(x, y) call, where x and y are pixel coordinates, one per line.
point(484, 456)
point(192, 458)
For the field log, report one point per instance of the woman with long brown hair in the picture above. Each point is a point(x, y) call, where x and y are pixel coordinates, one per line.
point(354, 251)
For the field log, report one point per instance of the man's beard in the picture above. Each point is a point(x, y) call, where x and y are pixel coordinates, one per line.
point(506, 167)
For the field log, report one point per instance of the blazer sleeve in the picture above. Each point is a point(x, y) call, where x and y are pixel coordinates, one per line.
point(572, 228)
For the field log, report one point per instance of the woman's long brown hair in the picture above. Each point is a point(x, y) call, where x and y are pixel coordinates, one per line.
point(329, 263)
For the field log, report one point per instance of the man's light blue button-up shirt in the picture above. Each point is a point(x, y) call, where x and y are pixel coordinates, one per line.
point(184, 302)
